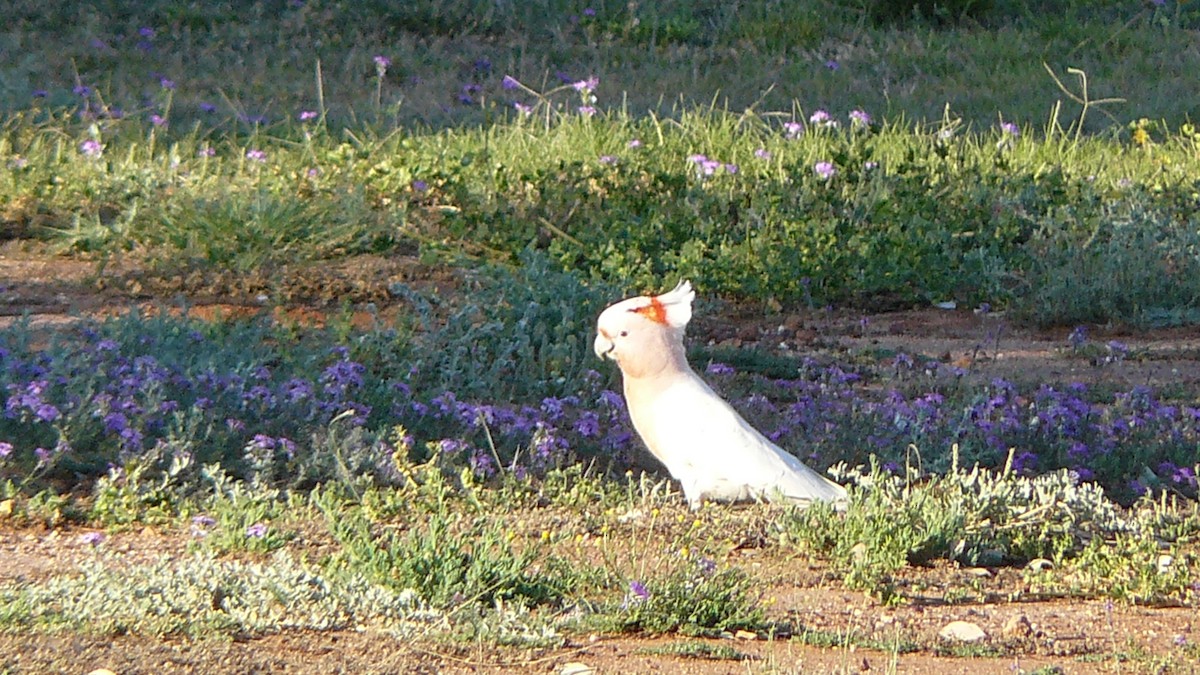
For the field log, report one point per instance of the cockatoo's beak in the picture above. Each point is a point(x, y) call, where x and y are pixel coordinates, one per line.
point(604, 347)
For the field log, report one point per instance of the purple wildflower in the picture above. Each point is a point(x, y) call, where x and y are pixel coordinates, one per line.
point(91, 148)
point(588, 425)
point(5, 449)
point(46, 412)
point(91, 538)
point(146, 32)
point(612, 400)
point(586, 86)
point(342, 376)
point(206, 151)
point(200, 525)
point(832, 64)
point(1078, 337)
point(793, 129)
point(1117, 351)
point(825, 170)
point(158, 120)
point(1010, 129)
point(715, 368)
point(206, 107)
point(522, 108)
point(587, 110)
point(634, 143)
point(381, 64)
point(419, 185)
point(82, 90)
point(509, 82)
point(256, 155)
point(166, 83)
point(859, 118)
point(588, 11)
point(482, 463)
point(822, 118)
point(608, 159)
point(256, 531)
point(263, 442)
point(762, 153)
point(306, 115)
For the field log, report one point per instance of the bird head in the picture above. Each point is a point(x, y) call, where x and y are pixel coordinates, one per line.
point(644, 333)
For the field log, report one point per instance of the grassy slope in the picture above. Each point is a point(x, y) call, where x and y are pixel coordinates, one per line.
point(261, 59)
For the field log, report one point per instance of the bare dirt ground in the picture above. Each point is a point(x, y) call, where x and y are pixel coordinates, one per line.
point(1032, 632)
point(1025, 632)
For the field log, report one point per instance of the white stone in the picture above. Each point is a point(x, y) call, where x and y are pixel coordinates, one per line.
point(1040, 565)
point(962, 631)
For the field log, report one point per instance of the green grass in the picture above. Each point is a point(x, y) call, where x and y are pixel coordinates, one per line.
point(1047, 224)
point(262, 57)
point(954, 209)
point(698, 650)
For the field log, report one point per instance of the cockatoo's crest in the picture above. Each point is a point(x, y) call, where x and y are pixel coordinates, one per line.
point(673, 308)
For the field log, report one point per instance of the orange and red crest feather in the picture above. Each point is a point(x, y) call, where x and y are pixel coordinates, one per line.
point(656, 311)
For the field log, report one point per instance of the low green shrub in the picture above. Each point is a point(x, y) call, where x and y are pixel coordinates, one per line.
point(977, 517)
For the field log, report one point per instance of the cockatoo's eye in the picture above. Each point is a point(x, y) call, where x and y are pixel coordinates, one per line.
point(624, 333)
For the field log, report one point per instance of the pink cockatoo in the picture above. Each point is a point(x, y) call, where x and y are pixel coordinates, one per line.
point(705, 444)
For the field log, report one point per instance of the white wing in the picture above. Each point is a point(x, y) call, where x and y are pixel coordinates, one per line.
point(716, 454)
